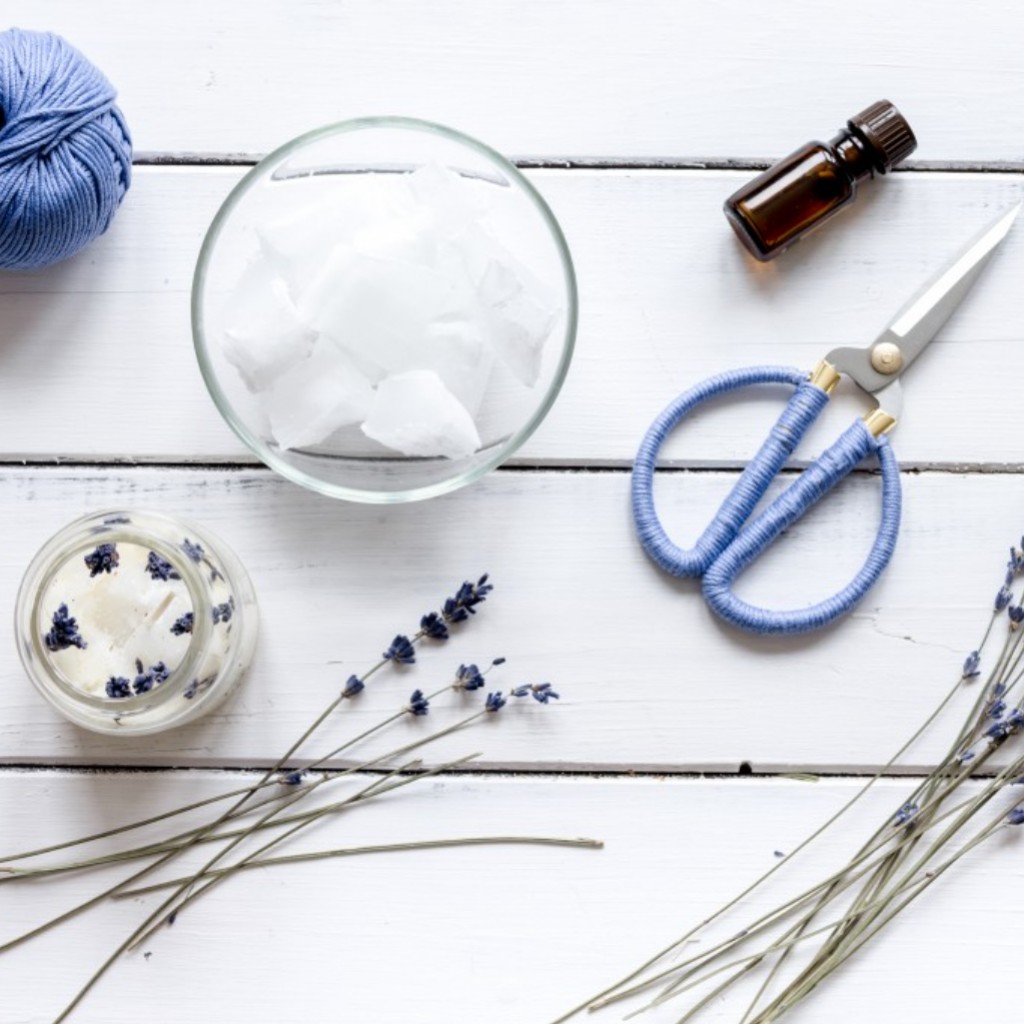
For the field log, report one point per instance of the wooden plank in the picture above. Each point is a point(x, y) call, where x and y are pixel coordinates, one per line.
point(506, 934)
point(572, 79)
point(649, 678)
point(667, 298)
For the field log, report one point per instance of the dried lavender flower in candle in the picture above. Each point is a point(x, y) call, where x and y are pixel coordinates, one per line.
point(160, 569)
point(118, 687)
point(103, 559)
point(194, 551)
point(184, 624)
point(64, 633)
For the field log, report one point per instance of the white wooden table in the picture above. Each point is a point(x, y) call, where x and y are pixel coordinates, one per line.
point(675, 735)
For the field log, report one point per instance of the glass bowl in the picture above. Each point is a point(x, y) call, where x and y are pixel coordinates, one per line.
point(384, 309)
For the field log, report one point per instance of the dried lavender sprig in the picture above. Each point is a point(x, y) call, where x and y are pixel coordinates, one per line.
point(747, 964)
point(456, 609)
point(621, 990)
point(922, 882)
point(791, 996)
point(841, 879)
point(352, 851)
point(971, 804)
point(456, 684)
point(1005, 675)
point(187, 894)
point(404, 775)
point(128, 943)
point(867, 925)
point(855, 912)
point(158, 846)
point(835, 884)
point(201, 834)
point(940, 787)
point(911, 891)
point(493, 704)
point(177, 841)
point(802, 845)
point(876, 894)
point(156, 918)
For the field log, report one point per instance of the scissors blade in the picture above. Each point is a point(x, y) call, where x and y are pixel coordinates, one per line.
point(923, 317)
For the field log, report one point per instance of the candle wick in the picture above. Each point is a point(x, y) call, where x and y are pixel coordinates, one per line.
point(120, 642)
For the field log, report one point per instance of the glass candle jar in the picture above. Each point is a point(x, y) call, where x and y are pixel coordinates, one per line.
point(132, 622)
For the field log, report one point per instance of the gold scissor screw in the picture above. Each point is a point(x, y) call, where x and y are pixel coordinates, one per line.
point(886, 357)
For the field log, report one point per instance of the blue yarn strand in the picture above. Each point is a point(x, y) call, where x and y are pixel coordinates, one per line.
point(730, 543)
point(809, 488)
point(801, 411)
point(65, 150)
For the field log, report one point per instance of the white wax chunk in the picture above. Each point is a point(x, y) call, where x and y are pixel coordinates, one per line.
point(452, 200)
point(467, 253)
point(296, 244)
point(518, 322)
point(414, 413)
point(380, 310)
point(317, 396)
point(263, 333)
point(399, 235)
point(458, 353)
point(516, 310)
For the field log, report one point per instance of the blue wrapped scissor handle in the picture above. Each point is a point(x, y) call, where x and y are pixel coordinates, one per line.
point(730, 543)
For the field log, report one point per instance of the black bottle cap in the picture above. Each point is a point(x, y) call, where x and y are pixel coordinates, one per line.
point(886, 132)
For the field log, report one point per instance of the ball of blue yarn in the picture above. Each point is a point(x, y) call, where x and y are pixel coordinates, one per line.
point(65, 150)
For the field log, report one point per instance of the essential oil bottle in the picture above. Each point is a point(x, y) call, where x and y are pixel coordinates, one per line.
point(810, 185)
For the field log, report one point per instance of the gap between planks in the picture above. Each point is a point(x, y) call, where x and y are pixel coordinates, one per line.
point(534, 466)
point(743, 771)
point(600, 163)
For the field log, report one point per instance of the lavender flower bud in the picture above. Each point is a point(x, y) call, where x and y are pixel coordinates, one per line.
point(418, 703)
point(401, 651)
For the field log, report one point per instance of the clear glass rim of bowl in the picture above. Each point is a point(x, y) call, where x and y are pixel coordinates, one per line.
point(504, 451)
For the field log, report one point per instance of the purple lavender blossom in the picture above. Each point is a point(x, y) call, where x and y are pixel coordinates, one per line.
point(64, 632)
point(160, 569)
point(103, 559)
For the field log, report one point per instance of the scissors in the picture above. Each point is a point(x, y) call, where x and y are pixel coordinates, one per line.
point(730, 543)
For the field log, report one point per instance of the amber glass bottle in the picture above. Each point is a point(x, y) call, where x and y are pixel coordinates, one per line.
point(809, 186)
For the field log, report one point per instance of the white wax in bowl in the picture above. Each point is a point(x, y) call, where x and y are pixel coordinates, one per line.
point(117, 620)
point(366, 287)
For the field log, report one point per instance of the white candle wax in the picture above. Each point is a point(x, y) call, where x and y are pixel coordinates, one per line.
point(132, 617)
